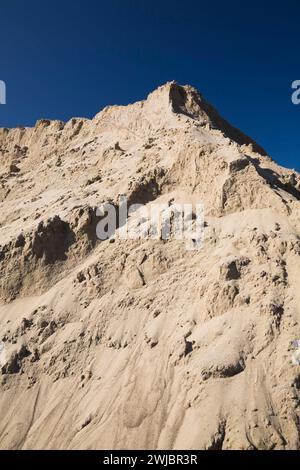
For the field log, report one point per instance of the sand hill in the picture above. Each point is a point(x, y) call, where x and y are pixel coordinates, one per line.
point(134, 344)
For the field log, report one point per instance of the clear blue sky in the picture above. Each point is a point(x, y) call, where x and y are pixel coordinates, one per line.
point(73, 57)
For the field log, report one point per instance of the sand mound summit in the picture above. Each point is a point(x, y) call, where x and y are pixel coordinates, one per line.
point(141, 343)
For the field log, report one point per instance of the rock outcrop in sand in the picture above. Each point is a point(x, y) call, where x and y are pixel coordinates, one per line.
point(141, 343)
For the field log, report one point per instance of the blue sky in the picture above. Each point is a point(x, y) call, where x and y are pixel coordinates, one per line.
point(67, 58)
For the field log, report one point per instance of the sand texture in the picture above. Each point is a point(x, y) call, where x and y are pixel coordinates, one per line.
point(142, 344)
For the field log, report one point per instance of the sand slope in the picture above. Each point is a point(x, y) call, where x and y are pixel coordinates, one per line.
point(141, 343)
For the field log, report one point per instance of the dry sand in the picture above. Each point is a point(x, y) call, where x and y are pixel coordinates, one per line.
point(141, 343)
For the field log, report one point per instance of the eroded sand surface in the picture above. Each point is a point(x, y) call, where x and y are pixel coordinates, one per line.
point(141, 343)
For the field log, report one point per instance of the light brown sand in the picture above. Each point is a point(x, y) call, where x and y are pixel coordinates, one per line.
point(143, 344)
